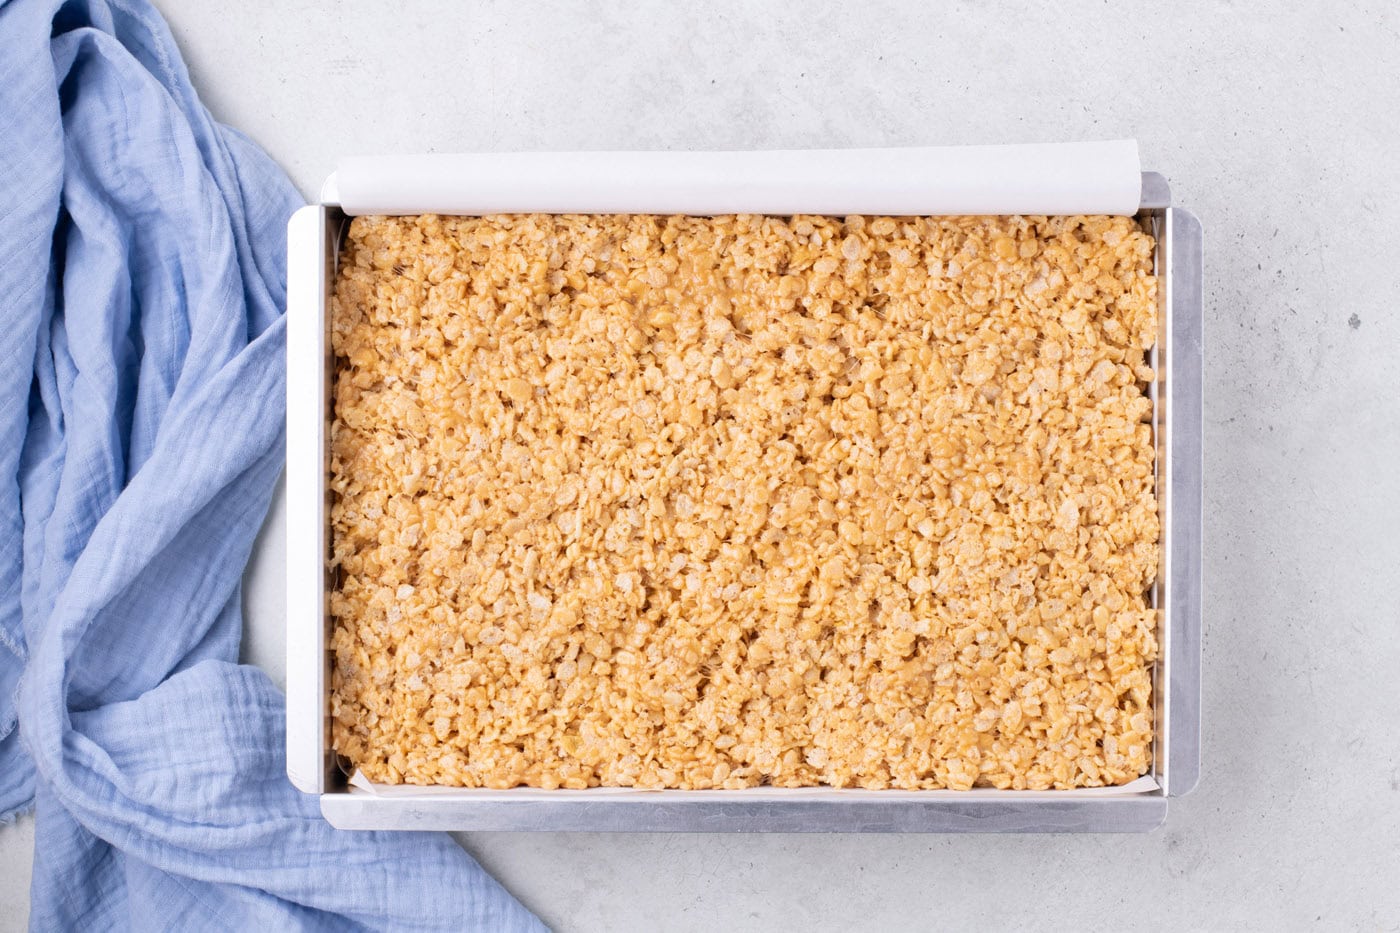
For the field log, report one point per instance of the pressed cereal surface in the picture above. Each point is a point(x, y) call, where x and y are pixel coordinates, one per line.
point(720, 502)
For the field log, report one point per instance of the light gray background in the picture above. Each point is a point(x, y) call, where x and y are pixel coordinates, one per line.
point(1281, 131)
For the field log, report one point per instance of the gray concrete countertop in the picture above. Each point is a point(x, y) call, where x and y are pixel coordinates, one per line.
point(1279, 130)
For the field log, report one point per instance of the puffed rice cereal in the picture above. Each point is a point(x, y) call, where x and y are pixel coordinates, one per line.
point(679, 502)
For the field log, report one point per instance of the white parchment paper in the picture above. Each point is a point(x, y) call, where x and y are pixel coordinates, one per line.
point(1053, 178)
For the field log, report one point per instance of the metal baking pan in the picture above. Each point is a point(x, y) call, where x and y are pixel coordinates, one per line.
point(314, 239)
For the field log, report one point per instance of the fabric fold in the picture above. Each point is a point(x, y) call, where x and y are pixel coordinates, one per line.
point(141, 432)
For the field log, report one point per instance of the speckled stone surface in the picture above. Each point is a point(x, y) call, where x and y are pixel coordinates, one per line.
point(1279, 130)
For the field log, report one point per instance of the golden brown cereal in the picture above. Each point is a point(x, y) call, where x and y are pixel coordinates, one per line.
point(719, 502)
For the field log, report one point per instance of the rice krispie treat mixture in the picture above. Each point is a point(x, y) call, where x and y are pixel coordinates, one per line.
point(720, 502)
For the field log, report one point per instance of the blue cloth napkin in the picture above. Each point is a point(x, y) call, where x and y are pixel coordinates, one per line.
point(141, 382)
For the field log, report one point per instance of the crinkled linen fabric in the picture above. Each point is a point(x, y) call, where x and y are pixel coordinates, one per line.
point(141, 381)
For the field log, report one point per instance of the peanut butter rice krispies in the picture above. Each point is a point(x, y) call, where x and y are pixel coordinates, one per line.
point(719, 502)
